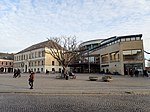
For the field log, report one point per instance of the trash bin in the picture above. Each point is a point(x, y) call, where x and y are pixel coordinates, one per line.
point(67, 77)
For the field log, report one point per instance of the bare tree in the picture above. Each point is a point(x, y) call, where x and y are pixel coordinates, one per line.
point(63, 49)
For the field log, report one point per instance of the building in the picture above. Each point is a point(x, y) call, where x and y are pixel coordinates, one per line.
point(6, 62)
point(121, 54)
point(116, 55)
point(86, 63)
point(36, 58)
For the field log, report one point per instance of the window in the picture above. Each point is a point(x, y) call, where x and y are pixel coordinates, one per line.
point(2, 63)
point(53, 63)
point(41, 69)
point(114, 56)
point(123, 39)
point(10, 63)
point(35, 54)
point(42, 63)
point(127, 39)
point(29, 56)
point(132, 38)
point(6, 63)
point(43, 54)
point(53, 69)
point(39, 54)
point(38, 63)
point(137, 38)
point(104, 58)
point(132, 55)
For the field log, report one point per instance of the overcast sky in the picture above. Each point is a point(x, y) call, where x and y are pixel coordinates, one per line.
point(26, 22)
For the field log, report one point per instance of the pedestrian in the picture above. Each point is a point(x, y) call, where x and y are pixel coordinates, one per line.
point(15, 72)
point(31, 79)
point(136, 72)
point(18, 73)
point(131, 72)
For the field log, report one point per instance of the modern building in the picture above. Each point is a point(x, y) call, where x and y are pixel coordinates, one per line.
point(6, 62)
point(118, 54)
point(121, 54)
point(87, 63)
point(37, 59)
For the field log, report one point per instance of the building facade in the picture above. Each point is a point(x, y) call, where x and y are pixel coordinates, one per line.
point(6, 65)
point(87, 63)
point(121, 54)
point(35, 58)
point(116, 55)
point(6, 62)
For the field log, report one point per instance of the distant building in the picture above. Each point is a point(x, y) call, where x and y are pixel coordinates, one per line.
point(36, 59)
point(6, 62)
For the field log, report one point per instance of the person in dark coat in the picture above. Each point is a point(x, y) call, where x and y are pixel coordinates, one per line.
point(15, 73)
point(18, 73)
point(31, 79)
point(136, 73)
point(131, 72)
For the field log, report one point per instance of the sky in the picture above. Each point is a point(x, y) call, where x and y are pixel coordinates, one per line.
point(27, 22)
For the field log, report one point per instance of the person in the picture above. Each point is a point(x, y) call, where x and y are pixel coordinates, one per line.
point(15, 73)
point(145, 73)
point(131, 72)
point(18, 73)
point(72, 74)
point(136, 72)
point(31, 79)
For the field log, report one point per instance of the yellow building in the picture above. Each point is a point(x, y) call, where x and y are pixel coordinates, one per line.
point(36, 59)
point(120, 54)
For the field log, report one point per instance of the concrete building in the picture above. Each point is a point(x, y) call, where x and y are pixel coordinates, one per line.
point(86, 62)
point(36, 58)
point(121, 54)
point(116, 55)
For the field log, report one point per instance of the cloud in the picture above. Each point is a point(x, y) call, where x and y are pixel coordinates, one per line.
point(25, 22)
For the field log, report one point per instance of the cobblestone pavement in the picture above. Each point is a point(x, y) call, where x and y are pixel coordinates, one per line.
point(48, 84)
point(10, 102)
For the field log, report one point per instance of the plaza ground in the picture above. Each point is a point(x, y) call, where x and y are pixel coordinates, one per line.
point(48, 84)
point(122, 94)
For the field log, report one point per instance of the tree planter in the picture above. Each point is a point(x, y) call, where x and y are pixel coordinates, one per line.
point(93, 78)
point(107, 78)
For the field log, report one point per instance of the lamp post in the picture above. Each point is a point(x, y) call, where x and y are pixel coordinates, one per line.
point(89, 62)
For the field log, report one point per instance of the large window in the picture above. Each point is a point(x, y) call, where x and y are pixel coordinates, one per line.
point(130, 55)
point(114, 56)
point(104, 58)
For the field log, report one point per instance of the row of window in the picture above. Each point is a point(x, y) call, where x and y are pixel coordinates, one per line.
point(128, 55)
point(117, 40)
point(6, 63)
point(36, 63)
point(29, 56)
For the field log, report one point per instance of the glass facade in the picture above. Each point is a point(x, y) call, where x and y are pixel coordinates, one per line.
point(130, 55)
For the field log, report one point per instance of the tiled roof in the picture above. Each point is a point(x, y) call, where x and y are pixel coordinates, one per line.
point(48, 43)
point(6, 56)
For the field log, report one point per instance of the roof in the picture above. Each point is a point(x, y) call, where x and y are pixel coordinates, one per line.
point(7, 56)
point(48, 43)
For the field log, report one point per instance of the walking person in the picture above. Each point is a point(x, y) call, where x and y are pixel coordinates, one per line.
point(31, 80)
point(18, 73)
point(15, 73)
